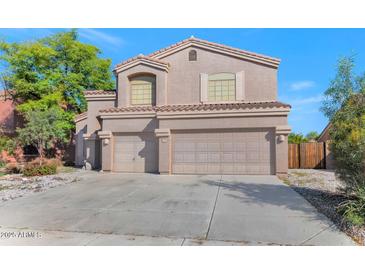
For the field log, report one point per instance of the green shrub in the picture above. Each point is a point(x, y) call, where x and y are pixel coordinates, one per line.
point(354, 209)
point(39, 170)
point(8, 144)
point(13, 168)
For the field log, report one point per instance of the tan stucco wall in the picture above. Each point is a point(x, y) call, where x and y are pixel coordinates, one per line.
point(279, 148)
point(281, 155)
point(124, 86)
point(81, 129)
point(184, 76)
point(93, 108)
point(130, 125)
point(107, 148)
point(219, 123)
point(181, 84)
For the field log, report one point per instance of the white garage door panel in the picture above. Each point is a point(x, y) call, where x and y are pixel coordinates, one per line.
point(135, 153)
point(233, 152)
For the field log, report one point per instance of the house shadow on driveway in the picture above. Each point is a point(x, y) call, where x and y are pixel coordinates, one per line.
point(271, 193)
point(263, 209)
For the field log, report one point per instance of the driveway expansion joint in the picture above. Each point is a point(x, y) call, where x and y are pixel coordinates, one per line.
point(215, 204)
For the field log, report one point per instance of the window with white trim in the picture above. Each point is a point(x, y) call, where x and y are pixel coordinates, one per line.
point(222, 87)
point(142, 89)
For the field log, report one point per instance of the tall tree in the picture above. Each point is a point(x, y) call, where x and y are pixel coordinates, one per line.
point(59, 64)
point(344, 105)
point(47, 77)
point(312, 135)
point(296, 138)
point(345, 84)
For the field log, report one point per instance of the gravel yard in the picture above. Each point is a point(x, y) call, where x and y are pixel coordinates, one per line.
point(324, 191)
point(15, 185)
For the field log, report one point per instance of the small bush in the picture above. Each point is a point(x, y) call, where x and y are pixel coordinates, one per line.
point(8, 144)
point(54, 161)
point(354, 209)
point(12, 168)
point(39, 170)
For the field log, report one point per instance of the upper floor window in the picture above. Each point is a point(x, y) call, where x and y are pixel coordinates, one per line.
point(192, 55)
point(143, 90)
point(222, 87)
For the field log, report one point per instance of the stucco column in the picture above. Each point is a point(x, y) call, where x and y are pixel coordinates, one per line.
point(164, 150)
point(92, 148)
point(106, 150)
point(281, 141)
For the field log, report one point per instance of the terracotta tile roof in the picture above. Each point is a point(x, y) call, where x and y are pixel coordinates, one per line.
point(198, 107)
point(99, 92)
point(224, 47)
point(152, 57)
point(81, 116)
point(141, 57)
point(220, 106)
point(129, 109)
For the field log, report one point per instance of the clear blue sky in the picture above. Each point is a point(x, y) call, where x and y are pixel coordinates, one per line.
point(308, 56)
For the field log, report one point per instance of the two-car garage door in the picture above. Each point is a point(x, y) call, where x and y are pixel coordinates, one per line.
point(223, 152)
point(243, 151)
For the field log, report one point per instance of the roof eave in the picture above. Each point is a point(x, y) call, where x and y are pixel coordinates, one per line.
point(141, 61)
point(271, 61)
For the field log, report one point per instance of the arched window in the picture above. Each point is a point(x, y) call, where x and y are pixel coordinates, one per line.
point(192, 55)
point(143, 90)
point(222, 87)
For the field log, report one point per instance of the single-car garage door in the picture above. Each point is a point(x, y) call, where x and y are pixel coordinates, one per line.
point(135, 153)
point(224, 152)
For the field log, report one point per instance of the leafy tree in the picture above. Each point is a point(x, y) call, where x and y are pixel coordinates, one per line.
point(312, 135)
point(344, 105)
point(348, 139)
point(296, 138)
point(45, 128)
point(46, 78)
point(57, 64)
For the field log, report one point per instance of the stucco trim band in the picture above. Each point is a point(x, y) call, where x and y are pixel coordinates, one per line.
point(105, 134)
point(101, 97)
point(162, 132)
point(279, 130)
point(128, 115)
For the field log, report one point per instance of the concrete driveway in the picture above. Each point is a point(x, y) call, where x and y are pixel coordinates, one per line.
point(147, 209)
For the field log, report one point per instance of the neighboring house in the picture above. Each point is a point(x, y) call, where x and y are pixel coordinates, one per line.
point(195, 107)
point(8, 116)
point(325, 134)
point(325, 137)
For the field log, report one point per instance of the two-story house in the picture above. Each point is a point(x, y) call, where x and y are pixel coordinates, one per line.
point(195, 107)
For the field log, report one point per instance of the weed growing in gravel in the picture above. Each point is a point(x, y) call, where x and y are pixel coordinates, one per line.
point(300, 174)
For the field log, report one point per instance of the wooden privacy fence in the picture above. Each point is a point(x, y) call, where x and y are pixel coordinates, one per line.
point(307, 155)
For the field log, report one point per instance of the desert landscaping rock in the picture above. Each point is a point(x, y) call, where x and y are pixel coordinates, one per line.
point(325, 192)
point(15, 185)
